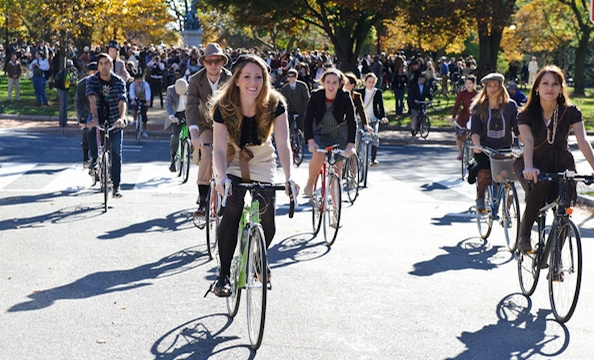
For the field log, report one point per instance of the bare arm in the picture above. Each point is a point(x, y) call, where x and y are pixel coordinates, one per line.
point(530, 173)
point(95, 116)
point(220, 155)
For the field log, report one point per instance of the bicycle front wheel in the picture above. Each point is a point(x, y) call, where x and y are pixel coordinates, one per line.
point(212, 220)
point(511, 216)
point(298, 147)
point(105, 178)
point(137, 127)
point(332, 210)
point(179, 158)
point(256, 285)
point(365, 163)
point(317, 203)
point(484, 218)
point(424, 126)
point(465, 160)
point(351, 177)
point(186, 161)
point(565, 271)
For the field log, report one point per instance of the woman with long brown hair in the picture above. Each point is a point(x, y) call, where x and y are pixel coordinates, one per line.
point(544, 125)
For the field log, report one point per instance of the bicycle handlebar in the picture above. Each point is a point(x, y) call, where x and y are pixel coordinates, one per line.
point(103, 128)
point(566, 175)
point(261, 186)
point(332, 148)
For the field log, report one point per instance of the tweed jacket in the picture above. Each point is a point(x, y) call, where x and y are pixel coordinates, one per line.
point(199, 93)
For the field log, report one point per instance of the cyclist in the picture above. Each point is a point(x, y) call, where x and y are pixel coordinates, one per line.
point(83, 110)
point(418, 91)
point(107, 99)
point(245, 112)
point(296, 93)
point(202, 86)
point(544, 124)
point(494, 121)
point(464, 99)
point(140, 93)
point(373, 104)
point(349, 86)
point(329, 120)
point(175, 104)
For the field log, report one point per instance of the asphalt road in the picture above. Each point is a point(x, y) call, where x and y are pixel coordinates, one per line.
point(408, 277)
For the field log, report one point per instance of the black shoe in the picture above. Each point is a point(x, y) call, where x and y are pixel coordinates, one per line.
point(201, 212)
point(172, 167)
point(116, 192)
point(524, 244)
point(93, 164)
point(222, 287)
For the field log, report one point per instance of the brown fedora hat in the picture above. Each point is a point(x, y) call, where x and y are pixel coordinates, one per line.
point(213, 49)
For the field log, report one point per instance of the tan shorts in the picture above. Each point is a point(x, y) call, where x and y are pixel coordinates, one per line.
point(205, 164)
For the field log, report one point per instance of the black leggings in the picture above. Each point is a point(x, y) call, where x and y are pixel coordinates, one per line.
point(227, 231)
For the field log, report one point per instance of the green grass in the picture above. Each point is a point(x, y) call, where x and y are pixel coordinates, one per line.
point(441, 117)
point(28, 104)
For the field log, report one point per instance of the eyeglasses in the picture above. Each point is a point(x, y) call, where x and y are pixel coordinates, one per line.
point(289, 76)
point(213, 62)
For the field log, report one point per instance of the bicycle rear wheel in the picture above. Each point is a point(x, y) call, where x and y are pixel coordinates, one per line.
point(105, 178)
point(565, 271)
point(510, 215)
point(234, 300)
point(332, 210)
point(256, 285)
point(424, 126)
point(186, 161)
point(317, 203)
point(484, 219)
point(298, 147)
point(351, 177)
point(212, 220)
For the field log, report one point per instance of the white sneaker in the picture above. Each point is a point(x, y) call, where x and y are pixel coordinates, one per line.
point(144, 134)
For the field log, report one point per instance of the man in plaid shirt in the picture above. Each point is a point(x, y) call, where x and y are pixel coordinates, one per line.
point(107, 98)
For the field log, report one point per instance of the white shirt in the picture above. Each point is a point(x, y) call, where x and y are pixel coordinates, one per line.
point(368, 103)
point(214, 85)
point(181, 105)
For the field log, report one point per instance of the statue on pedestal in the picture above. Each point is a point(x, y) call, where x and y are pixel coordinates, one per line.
point(191, 22)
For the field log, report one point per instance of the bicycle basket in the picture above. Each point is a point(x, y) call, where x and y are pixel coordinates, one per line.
point(502, 167)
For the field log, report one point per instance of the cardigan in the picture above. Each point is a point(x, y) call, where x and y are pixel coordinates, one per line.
point(343, 110)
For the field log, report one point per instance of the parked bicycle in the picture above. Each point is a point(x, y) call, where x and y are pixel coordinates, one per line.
point(501, 192)
point(183, 156)
point(326, 199)
point(102, 172)
point(557, 248)
point(297, 141)
point(249, 265)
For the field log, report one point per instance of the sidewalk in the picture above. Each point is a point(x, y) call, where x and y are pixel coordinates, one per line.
point(389, 135)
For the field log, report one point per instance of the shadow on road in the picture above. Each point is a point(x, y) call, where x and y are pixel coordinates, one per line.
point(198, 339)
point(470, 253)
point(68, 214)
point(104, 282)
point(178, 220)
point(518, 334)
point(467, 216)
point(47, 197)
point(297, 248)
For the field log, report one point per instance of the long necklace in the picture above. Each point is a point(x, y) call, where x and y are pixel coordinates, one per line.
point(551, 139)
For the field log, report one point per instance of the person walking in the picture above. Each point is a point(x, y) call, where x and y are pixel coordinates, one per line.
point(202, 86)
point(39, 66)
point(107, 99)
point(532, 70)
point(399, 84)
point(62, 82)
point(156, 79)
point(14, 70)
point(119, 66)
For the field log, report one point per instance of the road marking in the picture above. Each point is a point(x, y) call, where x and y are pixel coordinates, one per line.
point(9, 172)
point(73, 178)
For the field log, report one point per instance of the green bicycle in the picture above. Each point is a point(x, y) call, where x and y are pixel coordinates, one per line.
point(248, 268)
point(183, 156)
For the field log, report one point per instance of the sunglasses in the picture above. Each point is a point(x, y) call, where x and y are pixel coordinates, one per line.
point(290, 75)
point(213, 62)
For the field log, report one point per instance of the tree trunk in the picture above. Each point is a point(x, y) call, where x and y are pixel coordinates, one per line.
point(489, 44)
point(580, 62)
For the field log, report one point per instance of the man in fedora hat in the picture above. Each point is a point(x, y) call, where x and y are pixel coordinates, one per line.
point(202, 86)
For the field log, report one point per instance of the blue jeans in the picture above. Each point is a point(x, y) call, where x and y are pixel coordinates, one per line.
point(399, 96)
point(115, 139)
point(63, 107)
point(39, 88)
